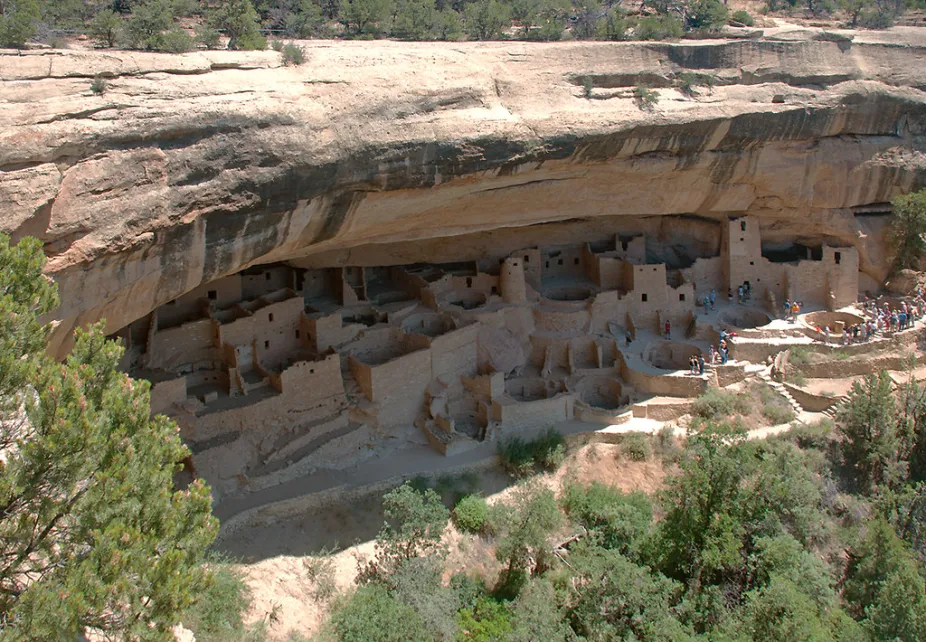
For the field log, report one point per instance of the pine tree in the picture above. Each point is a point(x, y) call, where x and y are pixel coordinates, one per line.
point(92, 532)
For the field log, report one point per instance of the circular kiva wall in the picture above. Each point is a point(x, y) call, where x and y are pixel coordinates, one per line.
point(531, 388)
point(600, 392)
point(466, 300)
point(743, 318)
point(569, 293)
point(670, 355)
point(823, 319)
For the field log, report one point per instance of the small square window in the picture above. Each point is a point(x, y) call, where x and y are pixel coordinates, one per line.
point(494, 290)
point(548, 264)
point(681, 297)
point(213, 295)
point(266, 276)
point(266, 344)
point(527, 259)
point(752, 263)
point(297, 334)
point(576, 260)
point(560, 262)
point(311, 371)
point(644, 297)
point(469, 282)
point(270, 316)
point(624, 245)
point(742, 239)
point(743, 226)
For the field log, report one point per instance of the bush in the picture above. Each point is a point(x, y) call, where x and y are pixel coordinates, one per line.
point(645, 98)
point(98, 85)
point(635, 446)
point(207, 37)
point(688, 81)
point(293, 54)
point(320, 571)
point(908, 227)
point(217, 616)
point(520, 457)
point(588, 86)
point(471, 513)
point(666, 446)
point(372, 614)
point(796, 378)
point(778, 414)
point(659, 28)
point(104, 28)
point(717, 403)
point(811, 436)
point(742, 17)
point(707, 15)
point(175, 40)
point(799, 356)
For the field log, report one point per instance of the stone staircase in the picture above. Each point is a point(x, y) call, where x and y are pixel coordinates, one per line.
point(831, 411)
point(781, 390)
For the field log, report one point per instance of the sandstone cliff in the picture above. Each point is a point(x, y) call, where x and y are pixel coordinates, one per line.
point(193, 167)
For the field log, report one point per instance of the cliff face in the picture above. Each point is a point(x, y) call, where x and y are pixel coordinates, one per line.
point(192, 167)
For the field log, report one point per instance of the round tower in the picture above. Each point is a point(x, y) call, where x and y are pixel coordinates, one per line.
point(511, 281)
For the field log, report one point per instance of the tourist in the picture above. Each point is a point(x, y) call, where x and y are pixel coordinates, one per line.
point(795, 310)
point(730, 295)
point(711, 354)
point(668, 330)
point(787, 308)
point(902, 319)
point(707, 303)
point(826, 334)
point(627, 337)
point(739, 294)
point(713, 298)
point(700, 364)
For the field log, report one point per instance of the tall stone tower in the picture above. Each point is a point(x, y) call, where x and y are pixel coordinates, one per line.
point(511, 281)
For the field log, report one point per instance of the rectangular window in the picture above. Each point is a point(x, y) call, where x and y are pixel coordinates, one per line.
point(681, 297)
point(270, 316)
point(838, 257)
point(560, 262)
point(643, 298)
point(576, 261)
point(527, 259)
point(266, 276)
point(297, 334)
point(213, 295)
point(743, 226)
point(266, 344)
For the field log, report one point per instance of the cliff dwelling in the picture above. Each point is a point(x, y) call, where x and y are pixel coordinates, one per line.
point(263, 368)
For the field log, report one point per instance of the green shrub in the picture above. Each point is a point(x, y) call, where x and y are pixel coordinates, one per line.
point(707, 15)
point(488, 620)
point(811, 436)
point(293, 54)
point(471, 513)
point(666, 446)
point(659, 28)
point(217, 616)
point(520, 457)
point(207, 37)
point(616, 519)
point(778, 413)
point(175, 40)
point(645, 98)
point(743, 18)
point(875, 19)
point(320, 570)
point(796, 378)
point(799, 355)
point(717, 403)
point(587, 86)
point(98, 85)
point(635, 446)
point(842, 355)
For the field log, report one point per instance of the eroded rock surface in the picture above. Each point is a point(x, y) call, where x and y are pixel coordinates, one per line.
point(194, 167)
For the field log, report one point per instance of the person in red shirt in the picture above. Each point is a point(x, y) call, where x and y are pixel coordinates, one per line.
point(668, 330)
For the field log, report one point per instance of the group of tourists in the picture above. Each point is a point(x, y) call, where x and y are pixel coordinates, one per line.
point(792, 309)
point(720, 353)
point(709, 300)
point(696, 364)
point(743, 293)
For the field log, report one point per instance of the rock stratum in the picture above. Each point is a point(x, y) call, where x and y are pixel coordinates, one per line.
point(192, 167)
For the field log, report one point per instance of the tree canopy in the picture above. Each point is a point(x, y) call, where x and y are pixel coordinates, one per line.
point(92, 532)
